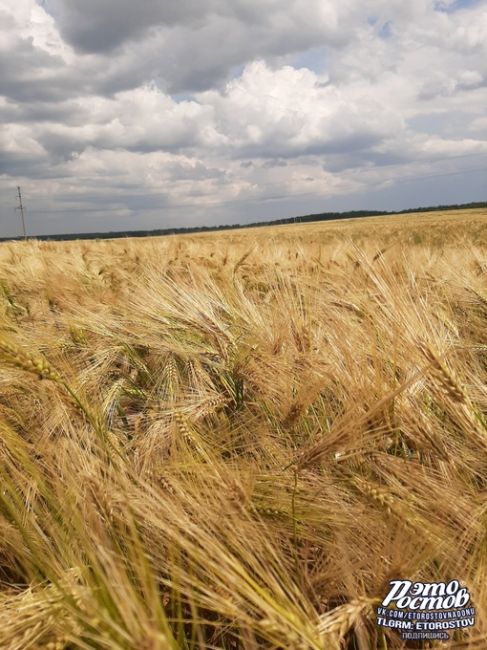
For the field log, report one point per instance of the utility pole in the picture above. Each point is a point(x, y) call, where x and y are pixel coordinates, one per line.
point(21, 208)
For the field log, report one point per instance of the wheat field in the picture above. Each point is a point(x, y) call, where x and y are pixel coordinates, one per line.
point(236, 440)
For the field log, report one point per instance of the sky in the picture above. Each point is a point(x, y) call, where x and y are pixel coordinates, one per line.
point(119, 115)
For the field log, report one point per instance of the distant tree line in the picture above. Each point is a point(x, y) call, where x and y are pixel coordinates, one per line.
point(322, 216)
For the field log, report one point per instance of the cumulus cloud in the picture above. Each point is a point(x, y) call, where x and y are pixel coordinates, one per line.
point(288, 112)
point(138, 114)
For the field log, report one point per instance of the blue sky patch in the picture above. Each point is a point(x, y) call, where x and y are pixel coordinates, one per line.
point(445, 7)
point(313, 59)
point(386, 30)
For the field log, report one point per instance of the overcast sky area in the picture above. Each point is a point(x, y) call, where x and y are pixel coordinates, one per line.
point(123, 114)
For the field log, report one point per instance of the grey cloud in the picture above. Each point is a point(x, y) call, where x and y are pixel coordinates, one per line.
point(447, 124)
point(97, 26)
point(190, 45)
point(31, 74)
point(339, 162)
point(179, 172)
point(353, 143)
point(269, 164)
point(61, 147)
point(119, 197)
point(39, 112)
point(100, 26)
point(186, 62)
point(21, 164)
point(287, 150)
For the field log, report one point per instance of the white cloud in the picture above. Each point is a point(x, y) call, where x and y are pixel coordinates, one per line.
point(141, 119)
point(288, 112)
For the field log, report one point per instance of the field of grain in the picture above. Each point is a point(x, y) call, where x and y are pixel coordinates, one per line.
point(236, 440)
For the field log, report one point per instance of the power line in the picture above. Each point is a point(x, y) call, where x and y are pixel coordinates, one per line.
point(20, 207)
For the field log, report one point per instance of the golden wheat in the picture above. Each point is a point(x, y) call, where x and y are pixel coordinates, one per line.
point(240, 438)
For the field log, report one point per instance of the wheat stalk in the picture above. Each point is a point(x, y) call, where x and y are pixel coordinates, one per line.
point(336, 624)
